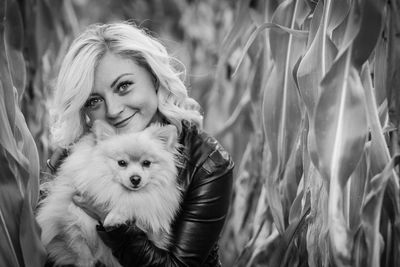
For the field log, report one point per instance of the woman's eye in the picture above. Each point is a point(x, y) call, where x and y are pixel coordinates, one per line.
point(146, 163)
point(93, 102)
point(122, 163)
point(124, 86)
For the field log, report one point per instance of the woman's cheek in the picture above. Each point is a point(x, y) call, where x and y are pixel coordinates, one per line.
point(97, 114)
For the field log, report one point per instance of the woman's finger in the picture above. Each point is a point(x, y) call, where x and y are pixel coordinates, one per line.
point(56, 158)
point(78, 199)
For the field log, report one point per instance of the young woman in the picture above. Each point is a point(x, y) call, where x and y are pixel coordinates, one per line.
point(121, 75)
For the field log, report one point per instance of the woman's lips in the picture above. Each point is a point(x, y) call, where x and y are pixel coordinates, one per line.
point(124, 122)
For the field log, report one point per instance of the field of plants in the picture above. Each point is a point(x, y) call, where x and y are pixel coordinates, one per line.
point(304, 94)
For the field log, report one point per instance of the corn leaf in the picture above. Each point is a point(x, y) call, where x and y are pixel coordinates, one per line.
point(339, 10)
point(44, 26)
point(19, 233)
point(258, 30)
point(9, 213)
point(318, 58)
point(393, 69)
point(360, 251)
point(340, 132)
point(317, 232)
point(7, 114)
point(380, 68)
point(379, 158)
point(372, 211)
point(290, 183)
point(371, 12)
point(358, 182)
point(292, 248)
point(380, 154)
point(14, 41)
point(281, 110)
point(242, 24)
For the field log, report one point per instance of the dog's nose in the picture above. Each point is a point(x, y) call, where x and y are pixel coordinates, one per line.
point(135, 180)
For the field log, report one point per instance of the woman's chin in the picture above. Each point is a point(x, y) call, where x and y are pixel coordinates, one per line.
point(131, 128)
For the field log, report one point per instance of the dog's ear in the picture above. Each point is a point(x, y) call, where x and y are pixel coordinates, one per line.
point(168, 134)
point(102, 130)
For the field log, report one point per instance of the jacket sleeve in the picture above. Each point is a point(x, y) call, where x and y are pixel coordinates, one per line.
point(196, 229)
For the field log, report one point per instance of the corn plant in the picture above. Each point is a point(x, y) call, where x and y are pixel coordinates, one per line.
point(20, 244)
point(31, 36)
point(327, 182)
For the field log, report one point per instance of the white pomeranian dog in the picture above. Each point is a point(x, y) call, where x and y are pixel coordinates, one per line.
point(132, 176)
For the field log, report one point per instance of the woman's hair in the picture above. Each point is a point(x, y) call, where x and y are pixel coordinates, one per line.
point(76, 78)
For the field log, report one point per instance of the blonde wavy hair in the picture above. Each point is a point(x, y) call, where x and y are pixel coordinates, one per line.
point(76, 78)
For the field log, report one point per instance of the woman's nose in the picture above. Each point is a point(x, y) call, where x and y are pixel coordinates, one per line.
point(114, 108)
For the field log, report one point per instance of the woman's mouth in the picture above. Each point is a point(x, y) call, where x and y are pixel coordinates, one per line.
point(124, 122)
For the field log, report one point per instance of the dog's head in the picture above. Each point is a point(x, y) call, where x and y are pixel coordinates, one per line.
point(141, 159)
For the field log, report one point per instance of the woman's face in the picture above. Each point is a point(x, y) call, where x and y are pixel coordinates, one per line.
point(124, 95)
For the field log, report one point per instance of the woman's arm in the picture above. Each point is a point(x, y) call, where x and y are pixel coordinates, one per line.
point(197, 227)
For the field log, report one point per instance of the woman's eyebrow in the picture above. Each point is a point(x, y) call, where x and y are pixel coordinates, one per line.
point(119, 77)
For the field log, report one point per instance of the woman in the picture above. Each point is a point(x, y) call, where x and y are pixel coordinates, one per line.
point(119, 74)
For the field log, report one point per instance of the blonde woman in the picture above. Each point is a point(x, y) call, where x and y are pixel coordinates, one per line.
point(119, 74)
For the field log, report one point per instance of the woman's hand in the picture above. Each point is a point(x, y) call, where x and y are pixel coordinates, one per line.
point(89, 207)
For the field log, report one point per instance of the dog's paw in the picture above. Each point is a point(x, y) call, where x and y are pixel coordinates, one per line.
point(113, 219)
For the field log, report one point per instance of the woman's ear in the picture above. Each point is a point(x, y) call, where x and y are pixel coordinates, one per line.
point(168, 134)
point(102, 130)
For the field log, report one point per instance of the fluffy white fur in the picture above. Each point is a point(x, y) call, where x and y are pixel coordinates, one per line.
point(94, 170)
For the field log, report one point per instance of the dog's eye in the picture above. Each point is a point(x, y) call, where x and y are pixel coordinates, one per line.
point(122, 163)
point(146, 163)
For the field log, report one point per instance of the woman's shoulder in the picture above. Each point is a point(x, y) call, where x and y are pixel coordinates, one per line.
point(200, 146)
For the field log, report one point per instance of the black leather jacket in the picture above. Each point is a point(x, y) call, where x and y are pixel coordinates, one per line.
point(207, 182)
point(206, 179)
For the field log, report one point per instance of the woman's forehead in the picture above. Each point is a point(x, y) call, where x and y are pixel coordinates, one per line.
point(112, 68)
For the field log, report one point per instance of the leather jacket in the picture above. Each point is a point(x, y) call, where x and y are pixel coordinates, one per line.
point(206, 179)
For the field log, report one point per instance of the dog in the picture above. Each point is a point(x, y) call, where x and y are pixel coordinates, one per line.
point(132, 176)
